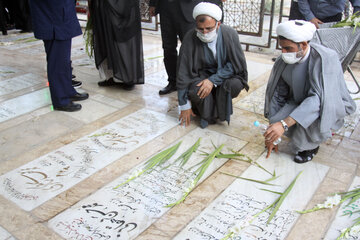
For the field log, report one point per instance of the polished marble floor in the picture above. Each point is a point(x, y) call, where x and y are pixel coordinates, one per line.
point(58, 171)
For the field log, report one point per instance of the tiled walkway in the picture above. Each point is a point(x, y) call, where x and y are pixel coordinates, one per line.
point(58, 171)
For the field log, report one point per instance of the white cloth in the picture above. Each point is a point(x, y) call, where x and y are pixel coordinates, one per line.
point(105, 73)
point(212, 46)
point(209, 9)
point(296, 30)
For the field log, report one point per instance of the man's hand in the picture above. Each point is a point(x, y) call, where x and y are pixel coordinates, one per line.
point(152, 11)
point(316, 22)
point(205, 88)
point(274, 132)
point(185, 117)
point(270, 146)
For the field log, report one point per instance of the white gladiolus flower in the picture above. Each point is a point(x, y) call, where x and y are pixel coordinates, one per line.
point(191, 187)
point(136, 173)
point(239, 226)
point(235, 229)
point(355, 231)
point(356, 20)
point(320, 205)
point(332, 201)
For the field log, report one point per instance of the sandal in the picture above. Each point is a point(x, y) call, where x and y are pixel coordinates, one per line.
point(305, 156)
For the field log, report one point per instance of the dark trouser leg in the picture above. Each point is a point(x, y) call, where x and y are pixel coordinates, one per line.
point(223, 100)
point(184, 27)
point(203, 107)
point(2, 18)
point(335, 18)
point(169, 39)
point(59, 71)
point(295, 12)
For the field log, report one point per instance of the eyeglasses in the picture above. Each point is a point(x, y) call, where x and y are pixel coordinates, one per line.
point(208, 29)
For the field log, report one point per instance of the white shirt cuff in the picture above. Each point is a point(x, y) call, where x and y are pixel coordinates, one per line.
point(186, 106)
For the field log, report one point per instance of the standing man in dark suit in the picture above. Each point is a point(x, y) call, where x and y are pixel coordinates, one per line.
point(175, 20)
point(56, 23)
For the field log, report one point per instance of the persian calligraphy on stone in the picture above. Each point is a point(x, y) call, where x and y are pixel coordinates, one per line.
point(38, 181)
point(345, 216)
point(125, 212)
point(243, 199)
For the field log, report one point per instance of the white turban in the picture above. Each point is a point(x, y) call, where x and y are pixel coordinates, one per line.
point(209, 9)
point(296, 30)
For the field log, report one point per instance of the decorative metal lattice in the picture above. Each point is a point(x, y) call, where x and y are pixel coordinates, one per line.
point(144, 11)
point(246, 17)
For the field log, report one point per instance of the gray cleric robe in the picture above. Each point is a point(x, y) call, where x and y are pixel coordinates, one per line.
point(196, 63)
point(318, 104)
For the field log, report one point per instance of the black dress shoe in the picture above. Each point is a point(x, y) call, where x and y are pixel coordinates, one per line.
point(305, 156)
point(79, 97)
point(168, 89)
point(71, 107)
point(107, 83)
point(127, 87)
point(76, 84)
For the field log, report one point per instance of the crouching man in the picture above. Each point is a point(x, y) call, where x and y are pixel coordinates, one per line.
point(211, 68)
point(306, 96)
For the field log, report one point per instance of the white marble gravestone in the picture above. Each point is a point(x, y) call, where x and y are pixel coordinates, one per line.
point(6, 71)
point(254, 102)
point(351, 120)
point(5, 235)
point(24, 104)
point(243, 199)
point(16, 37)
point(256, 69)
point(84, 62)
point(42, 179)
point(125, 212)
point(75, 52)
point(154, 65)
point(36, 50)
point(21, 44)
point(342, 222)
point(159, 78)
point(18, 83)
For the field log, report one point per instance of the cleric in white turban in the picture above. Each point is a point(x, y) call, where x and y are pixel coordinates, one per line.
point(209, 9)
point(211, 68)
point(296, 31)
point(306, 96)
